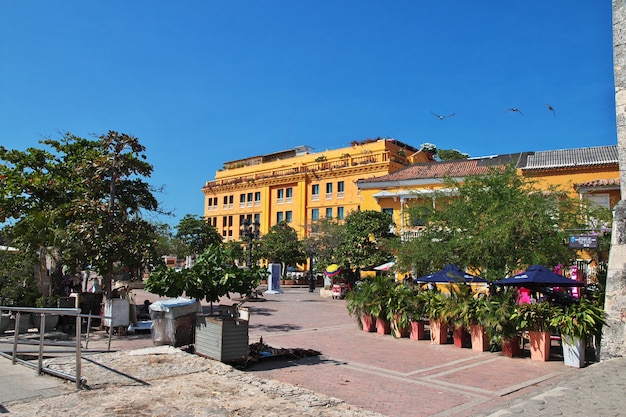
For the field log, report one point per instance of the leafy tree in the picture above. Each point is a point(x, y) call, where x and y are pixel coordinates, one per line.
point(451, 154)
point(212, 276)
point(196, 234)
point(17, 282)
point(322, 243)
point(368, 240)
point(281, 245)
point(499, 222)
point(81, 202)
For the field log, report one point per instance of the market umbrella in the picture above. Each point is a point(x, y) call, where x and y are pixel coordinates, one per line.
point(451, 273)
point(332, 270)
point(539, 276)
point(386, 266)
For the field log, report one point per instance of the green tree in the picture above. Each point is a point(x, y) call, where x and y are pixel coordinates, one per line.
point(81, 201)
point(497, 223)
point(196, 234)
point(212, 276)
point(281, 245)
point(368, 240)
point(451, 154)
point(323, 242)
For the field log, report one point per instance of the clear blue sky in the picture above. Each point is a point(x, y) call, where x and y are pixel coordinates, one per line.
point(202, 82)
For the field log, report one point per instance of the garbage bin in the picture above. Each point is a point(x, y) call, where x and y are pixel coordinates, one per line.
point(173, 321)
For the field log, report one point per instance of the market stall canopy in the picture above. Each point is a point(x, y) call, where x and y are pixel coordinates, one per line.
point(451, 273)
point(386, 266)
point(332, 270)
point(539, 276)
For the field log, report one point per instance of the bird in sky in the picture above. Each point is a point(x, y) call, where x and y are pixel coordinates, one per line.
point(515, 109)
point(441, 117)
point(551, 109)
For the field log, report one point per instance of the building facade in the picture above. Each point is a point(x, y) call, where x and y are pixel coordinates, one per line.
point(299, 186)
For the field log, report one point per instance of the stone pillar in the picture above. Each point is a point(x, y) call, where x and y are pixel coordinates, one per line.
point(614, 334)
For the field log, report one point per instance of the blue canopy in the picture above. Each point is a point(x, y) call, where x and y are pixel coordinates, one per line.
point(451, 273)
point(539, 276)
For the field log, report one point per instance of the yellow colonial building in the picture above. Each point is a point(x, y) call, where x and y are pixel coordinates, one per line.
point(298, 185)
point(591, 173)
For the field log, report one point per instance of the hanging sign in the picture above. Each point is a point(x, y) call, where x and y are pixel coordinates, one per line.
point(583, 241)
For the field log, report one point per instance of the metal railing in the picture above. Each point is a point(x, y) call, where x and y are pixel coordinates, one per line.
point(72, 312)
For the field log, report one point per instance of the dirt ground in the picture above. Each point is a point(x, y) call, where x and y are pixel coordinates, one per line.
point(165, 381)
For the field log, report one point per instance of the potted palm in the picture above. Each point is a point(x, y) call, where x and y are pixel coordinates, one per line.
point(378, 304)
point(536, 319)
point(401, 303)
point(416, 317)
point(358, 304)
point(501, 323)
point(576, 322)
point(455, 311)
point(477, 322)
point(434, 309)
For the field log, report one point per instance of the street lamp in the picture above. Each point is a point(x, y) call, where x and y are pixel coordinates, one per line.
point(249, 232)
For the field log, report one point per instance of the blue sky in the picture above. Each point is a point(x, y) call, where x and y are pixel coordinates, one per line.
point(205, 82)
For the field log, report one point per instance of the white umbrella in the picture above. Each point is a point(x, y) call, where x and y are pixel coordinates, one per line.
point(385, 266)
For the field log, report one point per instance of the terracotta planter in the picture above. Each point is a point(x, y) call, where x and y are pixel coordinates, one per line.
point(368, 322)
point(480, 341)
point(460, 336)
point(539, 345)
point(398, 331)
point(438, 332)
point(383, 326)
point(510, 347)
point(417, 331)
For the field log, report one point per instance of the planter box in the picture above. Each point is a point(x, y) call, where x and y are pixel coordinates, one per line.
point(223, 339)
point(480, 341)
point(51, 321)
point(383, 326)
point(539, 345)
point(399, 332)
point(511, 347)
point(461, 337)
point(368, 322)
point(573, 351)
point(438, 332)
point(417, 331)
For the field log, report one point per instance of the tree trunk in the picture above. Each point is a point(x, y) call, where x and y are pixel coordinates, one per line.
point(613, 341)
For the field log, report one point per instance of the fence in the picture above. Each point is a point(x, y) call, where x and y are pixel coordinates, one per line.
point(71, 312)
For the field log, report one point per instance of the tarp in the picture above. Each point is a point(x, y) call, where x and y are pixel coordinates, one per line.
point(174, 308)
point(451, 273)
point(539, 276)
point(385, 267)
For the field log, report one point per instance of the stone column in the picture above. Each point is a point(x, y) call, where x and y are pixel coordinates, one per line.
point(614, 335)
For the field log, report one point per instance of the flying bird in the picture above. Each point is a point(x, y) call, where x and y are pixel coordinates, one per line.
point(442, 117)
point(515, 109)
point(551, 109)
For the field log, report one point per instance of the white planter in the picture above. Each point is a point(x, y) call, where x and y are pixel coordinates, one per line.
point(573, 351)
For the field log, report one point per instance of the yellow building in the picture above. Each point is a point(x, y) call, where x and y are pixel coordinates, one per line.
point(586, 173)
point(299, 186)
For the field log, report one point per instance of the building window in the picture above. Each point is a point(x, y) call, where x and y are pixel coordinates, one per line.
point(340, 189)
point(281, 195)
point(340, 213)
point(230, 221)
point(257, 198)
point(315, 192)
point(388, 211)
point(242, 200)
point(257, 218)
point(289, 216)
point(329, 190)
point(279, 217)
point(315, 214)
point(288, 195)
point(224, 221)
point(329, 213)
